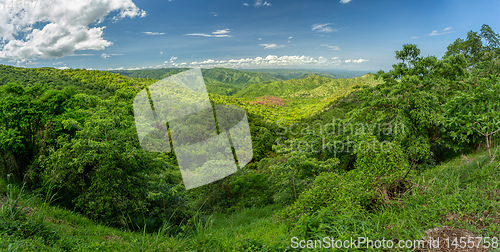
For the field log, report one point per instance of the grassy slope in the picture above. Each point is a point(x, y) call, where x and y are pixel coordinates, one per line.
point(460, 193)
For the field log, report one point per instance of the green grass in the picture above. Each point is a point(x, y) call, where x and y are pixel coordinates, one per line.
point(460, 193)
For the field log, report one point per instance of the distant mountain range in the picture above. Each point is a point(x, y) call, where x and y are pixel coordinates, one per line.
point(222, 81)
point(288, 74)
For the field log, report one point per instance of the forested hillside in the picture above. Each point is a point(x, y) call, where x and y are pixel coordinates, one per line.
point(392, 155)
point(222, 81)
point(234, 77)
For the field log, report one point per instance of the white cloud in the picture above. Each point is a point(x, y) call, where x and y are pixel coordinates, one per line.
point(260, 38)
point(153, 33)
point(356, 61)
point(221, 32)
point(259, 3)
point(442, 32)
point(64, 27)
point(105, 55)
point(269, 61)
point(216, 34)
point(62, 68)
point(81, 54)
point(335, 48)
point(213, 13)
point(259, 62)
point(326, 27)
point(345, 1)
point(172, 59)
point(271, 46)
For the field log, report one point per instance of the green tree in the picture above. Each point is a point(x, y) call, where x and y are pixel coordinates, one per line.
point(477, 48)
point(476, 111)
point(25, 117)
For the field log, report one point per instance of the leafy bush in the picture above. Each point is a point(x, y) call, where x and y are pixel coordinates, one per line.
point(100, 172)
point(251, 189)
point(361, 189)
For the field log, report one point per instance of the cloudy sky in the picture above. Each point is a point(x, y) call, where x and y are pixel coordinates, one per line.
point(316, 34)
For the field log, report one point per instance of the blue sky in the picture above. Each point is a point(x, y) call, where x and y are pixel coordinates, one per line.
point(315, 34)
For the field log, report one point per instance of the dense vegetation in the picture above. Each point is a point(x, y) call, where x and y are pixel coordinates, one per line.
point(387, 155)
point(221, 81)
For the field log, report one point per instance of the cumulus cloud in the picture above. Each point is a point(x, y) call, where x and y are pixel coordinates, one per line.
point(271, 46)
point(345, 1)
point(153, 33)
point(62, 27)
point(326, 27)
point(442, 32)
point(216, 34)
point(259, 62)
point(246, 4)
point(268, 61)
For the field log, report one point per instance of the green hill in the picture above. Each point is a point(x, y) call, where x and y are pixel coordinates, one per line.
point(283, 88)
point(237, 78)
point(156, 74)
point(222, 81)
point(314, 86)
point(294, 100)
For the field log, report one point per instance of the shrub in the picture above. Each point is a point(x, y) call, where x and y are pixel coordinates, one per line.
point(361, 189)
